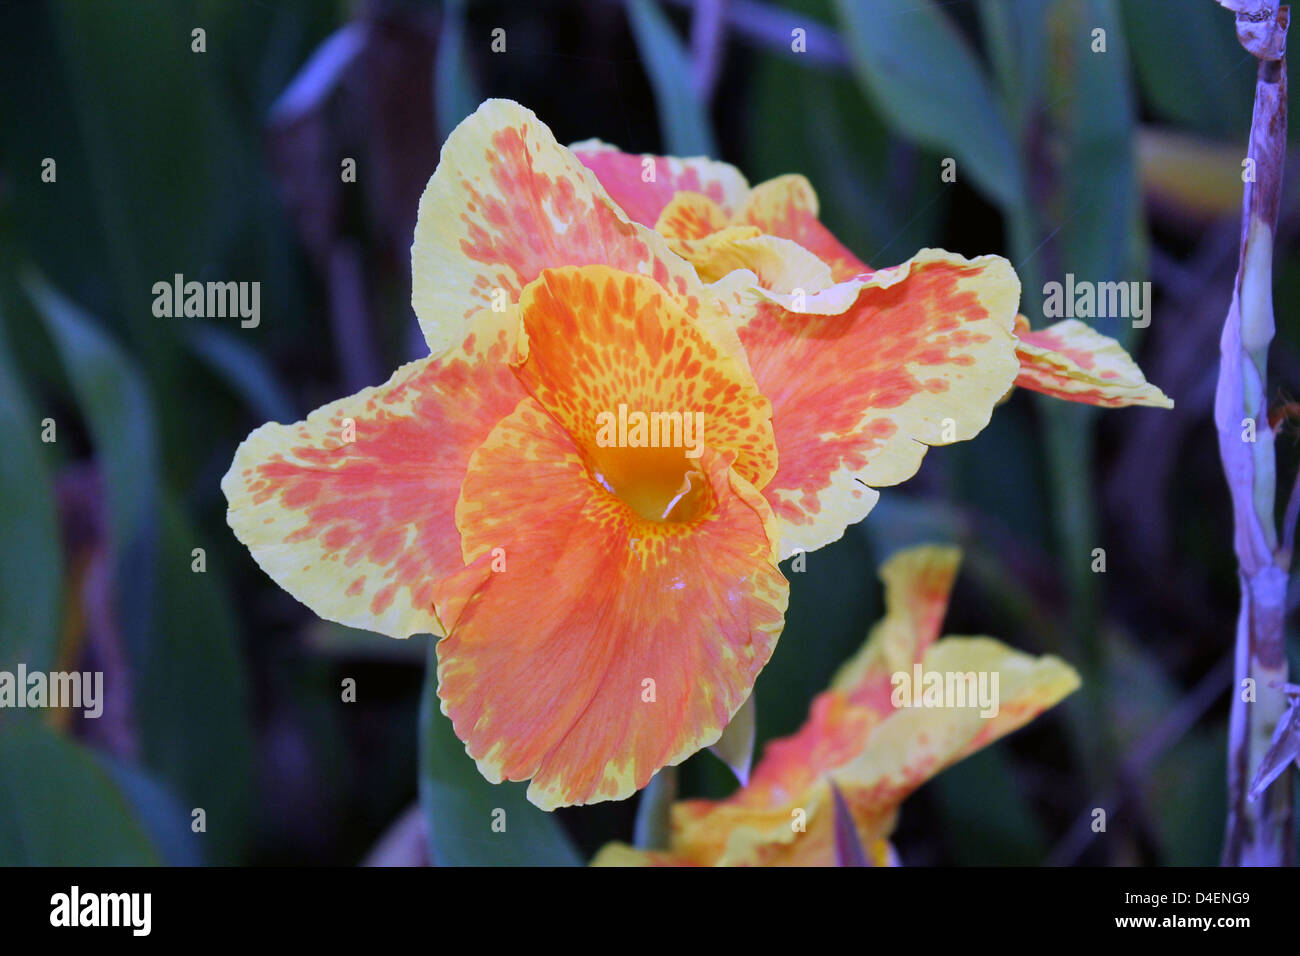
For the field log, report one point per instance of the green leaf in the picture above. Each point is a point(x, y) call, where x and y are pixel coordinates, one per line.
point(59, 806)
point(460, 805)
point(116, 407)
point(683, 119)
point(927, 82)
point(30, 561)
point(455, 94)
point(191, 693)
point(1104, 236)
point(1192, 70)
point(817, 122)
point(986, 816)
point(166, 822)
point(189, 686)
point(246, 372)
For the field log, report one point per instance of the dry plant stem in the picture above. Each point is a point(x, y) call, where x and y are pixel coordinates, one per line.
point(1259, 833)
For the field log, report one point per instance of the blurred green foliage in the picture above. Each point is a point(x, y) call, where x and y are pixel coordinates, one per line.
point(170, 161)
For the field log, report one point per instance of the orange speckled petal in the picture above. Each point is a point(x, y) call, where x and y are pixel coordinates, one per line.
point(918, 583)
point(1071, 361)
point(693, 216)
point(360, 529)
point(506, 202)
point(620, 854)
point(604, 646)
point(599, 343)
point(698, 230)
point(915, 743)
point(644, 185)
point(875, 753)
point(919, 359)
point(787, 207)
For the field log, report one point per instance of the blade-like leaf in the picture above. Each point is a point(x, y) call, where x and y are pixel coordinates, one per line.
point(455, 95)
point(164, 819)
point(683, 119)
point(59, 806)
point(246, 372)
point(928, 83)
point(30, 562)
point(115, 405)
point(191, 693)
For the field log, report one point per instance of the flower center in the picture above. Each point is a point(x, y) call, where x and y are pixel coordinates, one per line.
point(659, 484)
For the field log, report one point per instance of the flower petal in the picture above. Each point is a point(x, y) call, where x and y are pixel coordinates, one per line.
point(694, 216)
point(916, 743)
point(875, 753)
point(544, 672)
point(642, 184)
point(1070, 360)
point(787, 207)
point(598, 339)
point(919, 359)
point(918, 583)
point(506, 202)
point(779, 265)
point(359, 530)
point(755, 823)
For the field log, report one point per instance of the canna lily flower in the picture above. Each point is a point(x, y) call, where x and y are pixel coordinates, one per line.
point(857, 738)
point(604, 608)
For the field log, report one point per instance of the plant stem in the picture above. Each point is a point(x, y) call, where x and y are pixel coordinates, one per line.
point(1259, 833)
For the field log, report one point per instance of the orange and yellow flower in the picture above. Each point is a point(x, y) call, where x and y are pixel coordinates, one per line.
point(604, 610)
point(858, 741)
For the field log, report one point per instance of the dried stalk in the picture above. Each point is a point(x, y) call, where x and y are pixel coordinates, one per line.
point(1259, 831)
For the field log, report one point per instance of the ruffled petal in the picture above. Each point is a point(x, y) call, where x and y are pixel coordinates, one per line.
point(875, 752)
point(787, 207)
point(1070, 360)
point(696, 230)
point(602, 346)
point(604, 646)
point(693, 216)
point(917, 743)
point(919, 359)
point(643, 184)
point(352, 510)
point(506, 202)
point(918, 582)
